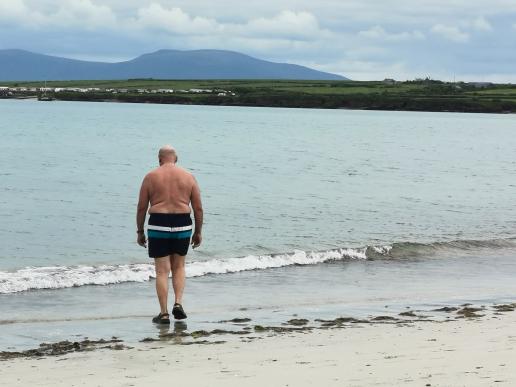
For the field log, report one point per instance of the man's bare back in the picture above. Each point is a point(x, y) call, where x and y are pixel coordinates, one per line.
point(170, 189)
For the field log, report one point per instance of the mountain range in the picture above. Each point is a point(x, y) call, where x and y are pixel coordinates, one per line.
point(20, 65)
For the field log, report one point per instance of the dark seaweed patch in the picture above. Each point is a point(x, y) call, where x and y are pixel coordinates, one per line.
point(298, 321)
point(64, 347)
point(340, 320)
point(384, 318)
point(469, 312)
point(446, 309)
point(237, 320)
point(505, 307)
point(408, 314)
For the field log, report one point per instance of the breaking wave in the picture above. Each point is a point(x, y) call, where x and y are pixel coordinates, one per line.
point(58, 277)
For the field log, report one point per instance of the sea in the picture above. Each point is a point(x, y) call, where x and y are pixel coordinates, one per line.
point(309, 213)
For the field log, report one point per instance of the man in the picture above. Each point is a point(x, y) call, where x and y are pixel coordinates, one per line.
point(170, 190)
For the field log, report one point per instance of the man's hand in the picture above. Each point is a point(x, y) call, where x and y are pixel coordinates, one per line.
point(141, 240)
point(196, 240)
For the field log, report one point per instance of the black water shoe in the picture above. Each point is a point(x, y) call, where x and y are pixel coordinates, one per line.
point(178, 312)
point(162, 318)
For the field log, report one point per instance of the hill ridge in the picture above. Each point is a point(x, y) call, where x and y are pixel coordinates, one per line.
point(23, 65)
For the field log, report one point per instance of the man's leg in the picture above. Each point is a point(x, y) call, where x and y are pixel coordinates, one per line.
point(177, 263)
point(162, 266)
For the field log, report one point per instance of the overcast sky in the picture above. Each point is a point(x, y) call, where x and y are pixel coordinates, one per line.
point(360, 39)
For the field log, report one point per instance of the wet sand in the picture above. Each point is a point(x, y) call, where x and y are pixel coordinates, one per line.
point(467, 345)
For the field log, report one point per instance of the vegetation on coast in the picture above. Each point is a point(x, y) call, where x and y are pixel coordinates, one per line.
point(417, 95)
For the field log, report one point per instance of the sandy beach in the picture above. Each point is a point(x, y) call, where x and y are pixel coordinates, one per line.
point(452, 351)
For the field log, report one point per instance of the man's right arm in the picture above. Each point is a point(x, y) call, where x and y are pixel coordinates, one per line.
point(195, 199)
point(141, 211)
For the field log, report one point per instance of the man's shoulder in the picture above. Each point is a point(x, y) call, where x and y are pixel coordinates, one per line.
point(152, 172)
point(178, 171)
point(184, 171)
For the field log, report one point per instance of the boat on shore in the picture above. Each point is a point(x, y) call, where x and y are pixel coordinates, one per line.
point(43, 96)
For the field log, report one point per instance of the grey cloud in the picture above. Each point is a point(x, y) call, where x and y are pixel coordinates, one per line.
point(356, 38)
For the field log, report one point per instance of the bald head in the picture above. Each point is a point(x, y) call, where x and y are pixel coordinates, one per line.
point(167, 154)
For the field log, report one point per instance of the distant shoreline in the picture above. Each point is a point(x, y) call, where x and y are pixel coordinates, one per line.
point(388, 95)
point(294, 106)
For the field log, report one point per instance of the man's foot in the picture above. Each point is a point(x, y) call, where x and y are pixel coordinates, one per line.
point(178, 312)
point(162, 318)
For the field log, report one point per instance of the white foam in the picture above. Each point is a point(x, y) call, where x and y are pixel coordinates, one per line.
point(382, 249)
point(57, 277)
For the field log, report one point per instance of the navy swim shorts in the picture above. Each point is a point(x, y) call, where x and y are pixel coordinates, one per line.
point(169, 234)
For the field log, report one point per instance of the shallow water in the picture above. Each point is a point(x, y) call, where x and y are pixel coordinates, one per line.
point(359, 288)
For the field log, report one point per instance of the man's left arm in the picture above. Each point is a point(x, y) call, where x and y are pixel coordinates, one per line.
point(141, 211)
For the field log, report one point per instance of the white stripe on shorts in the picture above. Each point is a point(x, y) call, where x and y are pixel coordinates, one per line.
point(169, 229)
